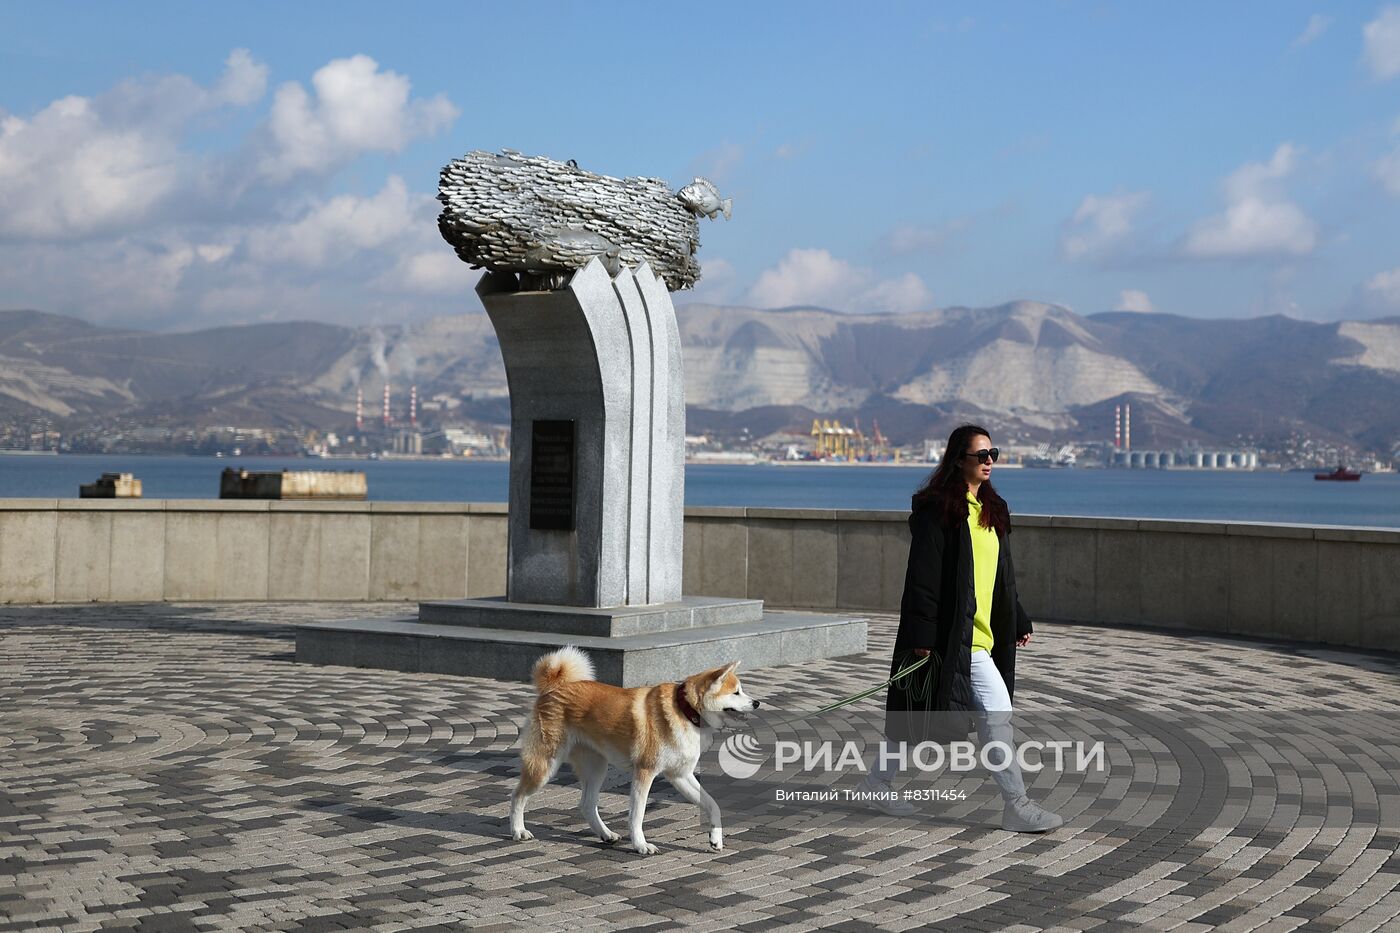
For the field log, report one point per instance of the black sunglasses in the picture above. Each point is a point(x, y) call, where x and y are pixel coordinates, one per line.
point(984, 455)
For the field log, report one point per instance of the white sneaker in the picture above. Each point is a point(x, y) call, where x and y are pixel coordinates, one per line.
point(883, 797)
point(1024, 815)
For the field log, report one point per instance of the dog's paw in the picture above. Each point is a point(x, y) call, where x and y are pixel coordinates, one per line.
point(717, 841)
point(610, 837)
point(645, 848)
point(523, 835)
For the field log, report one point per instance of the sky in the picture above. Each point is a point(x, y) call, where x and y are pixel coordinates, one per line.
point(177, 166)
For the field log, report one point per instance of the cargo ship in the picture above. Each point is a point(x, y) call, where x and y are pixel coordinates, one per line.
point(1341, 474)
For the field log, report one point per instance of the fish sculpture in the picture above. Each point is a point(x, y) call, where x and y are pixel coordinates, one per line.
point(543, 219)
point(702, 197)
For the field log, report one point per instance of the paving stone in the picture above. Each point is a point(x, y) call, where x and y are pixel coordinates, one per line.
point(169, 767)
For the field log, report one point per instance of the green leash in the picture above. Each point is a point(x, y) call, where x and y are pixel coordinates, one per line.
point(922, 692)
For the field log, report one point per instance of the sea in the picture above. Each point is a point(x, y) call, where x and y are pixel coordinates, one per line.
point(1259, 496)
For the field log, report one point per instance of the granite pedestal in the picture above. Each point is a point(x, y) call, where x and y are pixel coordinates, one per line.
point(597, 478)
point(629, 647)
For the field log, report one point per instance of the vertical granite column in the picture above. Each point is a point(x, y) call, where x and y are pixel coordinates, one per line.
point(603, 353)
point(667, 443)
point(638, 517)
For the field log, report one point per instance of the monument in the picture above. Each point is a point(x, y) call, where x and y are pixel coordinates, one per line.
point(579, 271)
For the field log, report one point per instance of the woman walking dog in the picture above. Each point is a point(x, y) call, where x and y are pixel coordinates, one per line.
point(961, 610)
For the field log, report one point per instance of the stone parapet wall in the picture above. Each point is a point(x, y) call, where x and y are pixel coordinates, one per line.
point(137, 551)
point(1316, 584)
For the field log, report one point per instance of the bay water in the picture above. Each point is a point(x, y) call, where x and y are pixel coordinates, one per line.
point(1261, 496)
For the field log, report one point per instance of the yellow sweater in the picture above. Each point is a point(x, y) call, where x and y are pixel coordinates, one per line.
point(986, 548)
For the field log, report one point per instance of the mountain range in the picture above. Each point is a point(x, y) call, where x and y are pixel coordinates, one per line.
point(1028, 369)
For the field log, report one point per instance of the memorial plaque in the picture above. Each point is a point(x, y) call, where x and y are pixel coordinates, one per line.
point(552, 475)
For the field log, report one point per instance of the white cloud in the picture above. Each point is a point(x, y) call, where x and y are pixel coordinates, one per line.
point(718, 279)
point(1317, 25)
point(1102, 225)
point(66, 173)
point(438, 272)
point(905, 293)
point(1258, 219)
point(805, 276)
point(83, 166)
point(1387, 167)
point(792, 150)
point(248, 296)
point(130, 277)
point(815, 277)
point(1253, 227)
point(213, 252)
point(1382, 41)
point(110, 209)
point(338, 228)
point(718, 164)
point(1131, 299)
point(356, 108)
point(1252, 178)
point(1383, 289)
point(244, 80)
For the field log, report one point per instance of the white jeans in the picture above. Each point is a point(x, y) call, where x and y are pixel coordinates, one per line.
point(994, 721)
point(993, 705)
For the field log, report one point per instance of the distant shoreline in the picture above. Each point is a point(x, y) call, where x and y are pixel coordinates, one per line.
point(908, 464)
point(254, 459)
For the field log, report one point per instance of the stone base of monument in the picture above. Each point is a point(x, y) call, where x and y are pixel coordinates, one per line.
point(630, 645)
point(689, 613)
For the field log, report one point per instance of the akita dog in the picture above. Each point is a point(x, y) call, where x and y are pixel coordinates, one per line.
point(661, 729)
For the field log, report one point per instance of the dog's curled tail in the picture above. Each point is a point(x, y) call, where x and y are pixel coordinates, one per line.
point(561, 667)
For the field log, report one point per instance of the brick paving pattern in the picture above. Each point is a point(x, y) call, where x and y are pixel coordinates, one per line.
point(169, 767)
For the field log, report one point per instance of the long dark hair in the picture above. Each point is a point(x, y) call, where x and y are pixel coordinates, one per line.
point(946, 490)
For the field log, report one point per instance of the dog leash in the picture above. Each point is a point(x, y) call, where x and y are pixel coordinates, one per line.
point(873, 690)
point(918, 692)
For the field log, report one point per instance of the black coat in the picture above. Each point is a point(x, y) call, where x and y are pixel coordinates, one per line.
point(936, 613)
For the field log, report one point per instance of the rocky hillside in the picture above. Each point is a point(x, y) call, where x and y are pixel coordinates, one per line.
point(1036, 369)
point(1048, 372)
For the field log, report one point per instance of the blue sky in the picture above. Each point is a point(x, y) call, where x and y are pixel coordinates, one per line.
point(184, 165)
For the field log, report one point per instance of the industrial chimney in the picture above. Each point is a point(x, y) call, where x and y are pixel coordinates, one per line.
point(1127, 427)
point(413, 405)
point(1117, 426)
point(388, 418)
point(359, 408)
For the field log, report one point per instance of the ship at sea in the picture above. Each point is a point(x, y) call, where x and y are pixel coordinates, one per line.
point(1340, 474)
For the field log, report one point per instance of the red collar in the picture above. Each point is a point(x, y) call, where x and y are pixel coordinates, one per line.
point(688, 711)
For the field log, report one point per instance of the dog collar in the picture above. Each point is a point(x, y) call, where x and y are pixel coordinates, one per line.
point(688, 711)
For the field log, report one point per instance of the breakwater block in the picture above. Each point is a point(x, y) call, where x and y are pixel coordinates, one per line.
point(293, 484)
point(111, 486)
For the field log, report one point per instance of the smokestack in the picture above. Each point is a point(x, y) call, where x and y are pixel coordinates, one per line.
point(1117, 426)
point(359, 408)
point(413, 405)
point(388, 419)
point(1127, 427)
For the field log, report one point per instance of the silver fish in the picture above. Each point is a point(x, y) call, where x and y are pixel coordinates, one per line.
point(554, 246)
point(702, 197)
